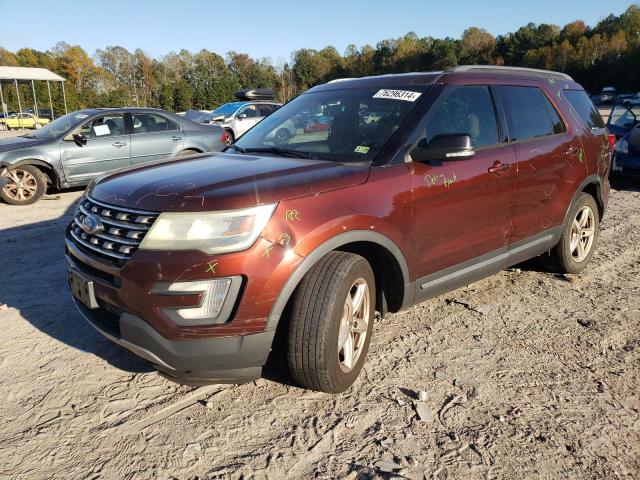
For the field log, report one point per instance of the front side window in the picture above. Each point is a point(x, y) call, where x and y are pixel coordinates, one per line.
point(149, 122)
point(465, 110)
point(350, 124)
point(105, 126)
point(528, 113)
point(250, 111)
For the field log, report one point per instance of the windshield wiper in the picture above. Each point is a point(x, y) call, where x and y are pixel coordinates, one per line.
point(277, 150)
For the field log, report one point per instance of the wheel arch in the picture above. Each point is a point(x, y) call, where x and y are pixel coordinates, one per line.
point(594, 188)
point(381, 252)
point(42, 165)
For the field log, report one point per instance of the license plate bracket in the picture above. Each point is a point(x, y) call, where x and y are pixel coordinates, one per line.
point(82, 289)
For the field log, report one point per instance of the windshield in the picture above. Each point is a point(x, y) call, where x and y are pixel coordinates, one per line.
point(59, 126)
point(350, 124)
point(228, 108)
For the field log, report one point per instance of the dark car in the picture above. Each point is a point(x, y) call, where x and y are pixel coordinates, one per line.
point(423, 183)
point(77, 147)
point(626, 158)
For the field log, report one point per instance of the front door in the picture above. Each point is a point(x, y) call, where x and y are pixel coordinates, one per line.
point(245, 119)
point(107, 148)
point(461, 208)
point(154, 137)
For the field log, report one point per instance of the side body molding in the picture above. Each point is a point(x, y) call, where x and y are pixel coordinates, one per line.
point(326, 247)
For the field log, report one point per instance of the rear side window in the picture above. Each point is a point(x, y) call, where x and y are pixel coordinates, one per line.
point(530, 114)
point(583, 105)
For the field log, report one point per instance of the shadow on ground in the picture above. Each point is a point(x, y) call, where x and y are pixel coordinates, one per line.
point(34, 282)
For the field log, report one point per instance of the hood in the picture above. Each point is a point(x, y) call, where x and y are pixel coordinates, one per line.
point(223, 182)
point(14, 143)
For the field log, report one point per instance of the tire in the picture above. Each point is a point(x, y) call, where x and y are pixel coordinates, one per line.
point(34, 186)
point(3, 127)
point(37, 126)
point(187, 152)
point(319, 310)
point(229, 136)
point(281, 137)
point(575, 248)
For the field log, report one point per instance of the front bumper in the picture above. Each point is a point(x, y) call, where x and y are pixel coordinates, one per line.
point(132, 314)
point(192, 362)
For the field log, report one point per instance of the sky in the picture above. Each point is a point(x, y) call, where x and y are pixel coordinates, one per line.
point(270, 29)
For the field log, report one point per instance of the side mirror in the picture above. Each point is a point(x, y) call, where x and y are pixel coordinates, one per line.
point(80, 139)
point(449, 146)
point(242, 115)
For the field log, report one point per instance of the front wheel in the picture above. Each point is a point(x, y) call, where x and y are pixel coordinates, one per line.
point(331, 323)
point(578, 241)
point(228, 137)
point(3, 127)
point(25, 185)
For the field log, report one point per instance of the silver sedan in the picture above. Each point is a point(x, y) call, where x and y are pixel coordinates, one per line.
point(79, 146)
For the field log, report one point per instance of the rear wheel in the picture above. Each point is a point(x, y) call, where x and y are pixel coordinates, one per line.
point(37, 126)
point(281, 137)
point(187, 152)
point(578, 241)
point(331, 323)
point(25, 185)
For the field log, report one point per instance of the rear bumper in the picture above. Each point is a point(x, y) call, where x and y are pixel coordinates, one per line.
point(194, 362)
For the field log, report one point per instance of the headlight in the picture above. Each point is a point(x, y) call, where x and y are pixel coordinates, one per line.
point(209, 232)
point(622, 146)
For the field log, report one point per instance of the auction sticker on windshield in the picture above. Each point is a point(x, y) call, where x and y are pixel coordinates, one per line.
point(406, 95)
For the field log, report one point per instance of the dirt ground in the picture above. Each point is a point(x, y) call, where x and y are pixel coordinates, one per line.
point(523, 375)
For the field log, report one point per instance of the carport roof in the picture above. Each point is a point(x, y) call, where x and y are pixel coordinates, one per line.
point(27, 73)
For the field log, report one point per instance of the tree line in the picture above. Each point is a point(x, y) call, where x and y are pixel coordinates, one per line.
point(596, 56)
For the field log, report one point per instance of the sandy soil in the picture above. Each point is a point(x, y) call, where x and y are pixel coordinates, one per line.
point(523, 375)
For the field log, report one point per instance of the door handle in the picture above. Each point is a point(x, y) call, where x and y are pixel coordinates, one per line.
point(498, 166)
point(571, 150)
point(119, 144)
point(175, 139)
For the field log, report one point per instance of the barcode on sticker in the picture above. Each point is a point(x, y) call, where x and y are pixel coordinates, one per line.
point(406, 95)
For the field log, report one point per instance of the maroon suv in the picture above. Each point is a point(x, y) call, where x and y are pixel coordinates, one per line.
point(421, 183)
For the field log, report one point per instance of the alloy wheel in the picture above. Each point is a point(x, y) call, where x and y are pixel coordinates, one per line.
point(582, 234)
point(354, 325)
point(22, 185)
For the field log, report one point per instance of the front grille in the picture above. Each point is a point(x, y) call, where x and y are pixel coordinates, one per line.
point(122, 229)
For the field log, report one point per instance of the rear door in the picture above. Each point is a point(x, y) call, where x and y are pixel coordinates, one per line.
point(107, 148)
point(550, 159)
point(154, 137)
point(461, 208)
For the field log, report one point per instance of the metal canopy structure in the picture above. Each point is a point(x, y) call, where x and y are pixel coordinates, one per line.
point(27, 74)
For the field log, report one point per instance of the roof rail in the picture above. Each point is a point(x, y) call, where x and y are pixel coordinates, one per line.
point(510, 70)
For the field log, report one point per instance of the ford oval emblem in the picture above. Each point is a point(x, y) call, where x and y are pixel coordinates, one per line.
point(91, 224)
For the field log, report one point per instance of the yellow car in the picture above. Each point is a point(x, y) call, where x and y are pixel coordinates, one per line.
point(22, 120)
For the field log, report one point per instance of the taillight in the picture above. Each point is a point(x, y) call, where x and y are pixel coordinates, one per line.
point(223, 137)
point(612, 141)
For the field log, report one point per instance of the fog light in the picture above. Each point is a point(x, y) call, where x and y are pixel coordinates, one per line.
point(213, 298)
